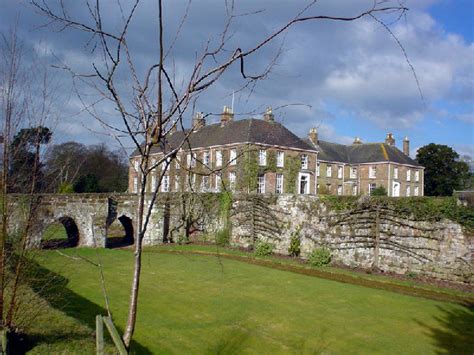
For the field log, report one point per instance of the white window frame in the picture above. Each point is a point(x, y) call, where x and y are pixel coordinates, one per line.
point(417, 175)
point(340, 171)
point(416, 191)
point(372, 186)
point(280, 159)
point(205, 183)
point(304, 161)
point(408, 191)
point(395, 173)
point(218, 184)
point(279, 183)
point(232, 180)
point(300, 177)
point(218, 158)
point(318, 167)
point(165, 164)
point(165, 184)
point(262, 157)
point(233, 157)
point(339, 190)
point(408, 175)
point(372, 172)
point(205, 158)
point(353, 173)
point(136, 165)
point(178, 162)
point(328, 170)
point(188, 160)
point(354, 190)
point(261, 184)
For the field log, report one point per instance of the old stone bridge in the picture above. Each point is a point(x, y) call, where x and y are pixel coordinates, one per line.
point(86, 217)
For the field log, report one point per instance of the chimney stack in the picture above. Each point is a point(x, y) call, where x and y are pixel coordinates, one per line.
point(357, 141)
point(226, 116)
point(406, 146)
point(313, 135)
point(269, 116)
point(198, 121)
point(390, 140)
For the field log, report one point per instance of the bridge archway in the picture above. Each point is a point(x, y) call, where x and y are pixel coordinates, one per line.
point(120, 232)
point(61, 233)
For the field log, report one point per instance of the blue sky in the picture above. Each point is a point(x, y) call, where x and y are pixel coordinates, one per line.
point(346, 79)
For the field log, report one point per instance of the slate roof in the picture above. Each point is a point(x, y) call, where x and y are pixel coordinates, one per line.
point(236, 131)
point(361, 153)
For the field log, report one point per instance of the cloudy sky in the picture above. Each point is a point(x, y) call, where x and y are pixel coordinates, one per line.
point(348, 79)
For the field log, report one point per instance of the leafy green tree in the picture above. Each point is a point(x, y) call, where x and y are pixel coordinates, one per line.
point(444, 172)
point(26, 168)
point(87, 183)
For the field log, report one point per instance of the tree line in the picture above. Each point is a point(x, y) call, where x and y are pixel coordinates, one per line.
point(63, 168)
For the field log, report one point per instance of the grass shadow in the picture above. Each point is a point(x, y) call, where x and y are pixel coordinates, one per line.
point(455, 331)
point(53, 288)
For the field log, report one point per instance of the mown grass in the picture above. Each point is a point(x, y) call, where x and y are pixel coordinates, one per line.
point(193, 303)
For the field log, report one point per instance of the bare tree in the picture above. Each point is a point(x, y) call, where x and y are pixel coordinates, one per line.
point(152, 105)
point(25, 103)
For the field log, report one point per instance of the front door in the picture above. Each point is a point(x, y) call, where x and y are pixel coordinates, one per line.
point(303, 183)
point(396, 189)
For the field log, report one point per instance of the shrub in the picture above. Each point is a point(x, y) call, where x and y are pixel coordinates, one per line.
point(295, 244)
point(320, 257)
point(65, 188)
point(263, 249)
point(379, 191)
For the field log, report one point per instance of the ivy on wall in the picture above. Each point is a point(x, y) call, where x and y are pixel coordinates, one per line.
point(247, 179)
point(291, 170)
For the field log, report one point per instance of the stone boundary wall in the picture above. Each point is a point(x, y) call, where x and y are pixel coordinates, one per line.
point(367, 235)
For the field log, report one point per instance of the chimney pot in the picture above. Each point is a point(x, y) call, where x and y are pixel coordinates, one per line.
point(198, 121)
point(227, 115)
point(406, 146)
point(269, 116)
point(313, 135)
point(390, 140)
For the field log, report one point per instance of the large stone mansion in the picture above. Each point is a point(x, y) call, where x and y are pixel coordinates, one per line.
point(262, 156)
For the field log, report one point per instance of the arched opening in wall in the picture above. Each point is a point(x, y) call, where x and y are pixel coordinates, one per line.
point(120, 233)
point(61, 234)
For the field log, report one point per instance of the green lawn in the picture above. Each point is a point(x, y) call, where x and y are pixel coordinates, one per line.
point(207, 304)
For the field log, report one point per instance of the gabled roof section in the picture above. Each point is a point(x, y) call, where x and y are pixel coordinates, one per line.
point(361, 153)
point(242, 131)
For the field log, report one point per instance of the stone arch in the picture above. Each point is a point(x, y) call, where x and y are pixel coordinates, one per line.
point(72, 232)
point(127, 238)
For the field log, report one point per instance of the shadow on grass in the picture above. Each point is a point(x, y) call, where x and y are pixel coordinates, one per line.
point(53, 288)
point(455, 331)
